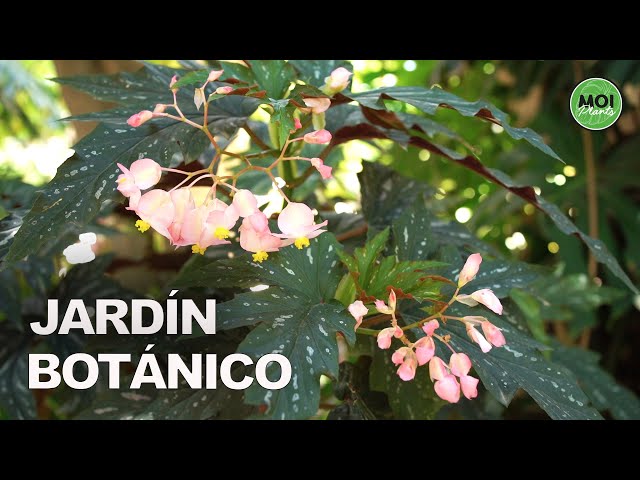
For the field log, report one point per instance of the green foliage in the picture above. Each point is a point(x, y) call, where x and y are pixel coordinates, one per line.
point(300, 309)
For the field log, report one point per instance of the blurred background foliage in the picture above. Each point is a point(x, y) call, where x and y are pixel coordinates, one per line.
point(534, 93)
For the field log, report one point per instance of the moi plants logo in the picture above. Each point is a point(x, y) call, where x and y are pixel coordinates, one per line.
point(596, 103)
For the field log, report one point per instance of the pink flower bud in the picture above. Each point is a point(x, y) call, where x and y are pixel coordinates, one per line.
point(317, 105)
point(469, 386)
point(470, 269)
point(325, 170)
point(425, 349)
point(477, 337)
point(460, 364)
point(448, 389)
point(437, 369)
point(318, 137)
point(224, 90)
point(297, 125)
point(358, 311)
point(392, 300)
point(383, 307)
point(386, 334)
point(493, 334)
point(173, 81)
point(198, 97)
point(139, 118)
point(430, 327)
point(160, 108)
point(485, 297)
point(214, 75)
point(338, 80)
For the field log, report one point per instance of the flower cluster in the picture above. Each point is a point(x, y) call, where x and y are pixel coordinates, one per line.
point(176, 215)
point(449, 378)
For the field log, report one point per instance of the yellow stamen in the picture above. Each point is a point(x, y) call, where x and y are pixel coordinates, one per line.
point(197, 249)
point(221, 233)
point(142, 225)
point(260, 256)
point(301, 242)
point(122, 179)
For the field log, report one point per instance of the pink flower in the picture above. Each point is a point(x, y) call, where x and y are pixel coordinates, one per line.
point(143, 174)
point(138, 119)
point(182, 203)
point(318, 136)
point(224, 90)
point(338, 80)
point(317, 105)
point(430, 327)
point(358, 311)
point(385, 336)
point(460, 364)
point(406, 358)
point(425, 349)
point(448, 389)
point(493, 334)
point(256, 237)
point(470, 269)
point(477, 337)
point(244, 203)
point(214, 75)
point(146, 173)
point(156, 209)
point(325, 170)
point(485, 297)
point(469, 386)
point(296, 221)
point(437, 369)
point(173, 81)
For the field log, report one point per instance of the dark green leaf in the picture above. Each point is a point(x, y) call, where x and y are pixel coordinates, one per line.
point(315, 71)
point(428, 100)
point(283, 118)
point(8, 228)
point(530, 308)
point(386, 195)
point(16, 400)
point(298, 318)
point(274, 76)
point(192, 78)
point(601, 388)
